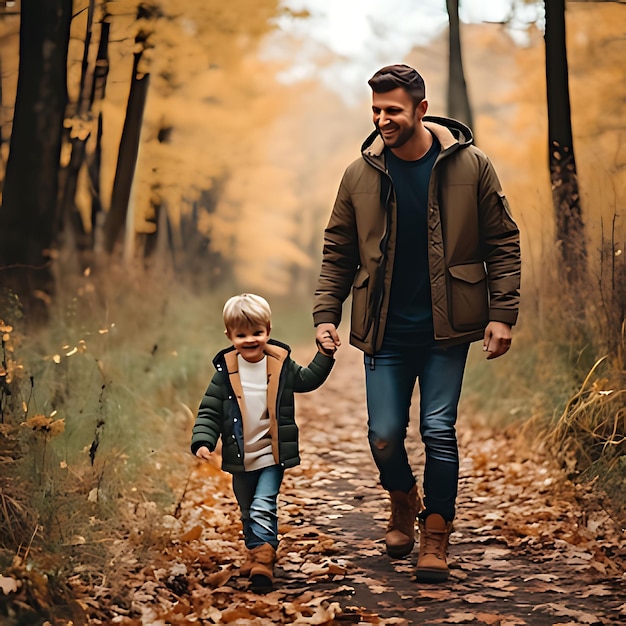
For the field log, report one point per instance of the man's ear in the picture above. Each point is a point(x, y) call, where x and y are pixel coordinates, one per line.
point(421, 108)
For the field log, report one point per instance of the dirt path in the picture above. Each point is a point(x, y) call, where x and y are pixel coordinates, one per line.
point(524, 551)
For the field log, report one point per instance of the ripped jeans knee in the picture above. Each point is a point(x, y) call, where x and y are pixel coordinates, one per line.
point(381, 444)
point(382, 448)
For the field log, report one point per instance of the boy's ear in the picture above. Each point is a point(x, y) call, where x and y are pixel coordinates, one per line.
point(227, 333)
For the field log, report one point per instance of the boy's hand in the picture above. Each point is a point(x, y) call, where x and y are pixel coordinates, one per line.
point(327, 338)
point(203, 453)
point(326, 346)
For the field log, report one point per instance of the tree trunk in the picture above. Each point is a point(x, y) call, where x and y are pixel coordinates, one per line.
point(83, 115)
point(458, 100)
point(94, 161)
point(1, 121)
point(31, 182)
point(570, 230)
point(127, 156)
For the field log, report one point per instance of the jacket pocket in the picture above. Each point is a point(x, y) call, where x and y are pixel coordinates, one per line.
point(361, 318)
point(504, 203)
point(468, 296)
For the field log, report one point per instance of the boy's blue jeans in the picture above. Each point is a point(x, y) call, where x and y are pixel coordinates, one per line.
point(390, 379)
point(257, 495)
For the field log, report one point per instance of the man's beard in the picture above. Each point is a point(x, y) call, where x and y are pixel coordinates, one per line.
point(401, 139)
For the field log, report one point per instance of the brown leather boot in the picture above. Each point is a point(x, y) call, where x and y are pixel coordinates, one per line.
point(432, 566)
point(262, 570)
point(400, 535)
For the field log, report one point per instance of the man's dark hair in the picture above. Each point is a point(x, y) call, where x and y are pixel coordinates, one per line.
point(393, 76)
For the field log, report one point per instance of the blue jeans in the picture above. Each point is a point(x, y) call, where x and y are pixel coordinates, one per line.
point(390, 379)
point(257, 495)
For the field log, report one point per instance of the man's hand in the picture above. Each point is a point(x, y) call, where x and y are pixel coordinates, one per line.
point(326, 334)
point(497, 339)
point(203, 453)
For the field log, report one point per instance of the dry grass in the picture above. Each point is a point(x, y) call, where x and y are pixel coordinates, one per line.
point(564, 383)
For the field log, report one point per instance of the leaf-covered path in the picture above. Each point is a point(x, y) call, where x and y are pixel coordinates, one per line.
point(528, 547)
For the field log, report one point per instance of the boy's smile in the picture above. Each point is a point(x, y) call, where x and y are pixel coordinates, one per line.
point(249, 341)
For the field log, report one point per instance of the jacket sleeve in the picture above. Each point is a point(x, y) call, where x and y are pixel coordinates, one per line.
point(340, 259)
point(500, 243)
point(311, 377)
point(208, 425)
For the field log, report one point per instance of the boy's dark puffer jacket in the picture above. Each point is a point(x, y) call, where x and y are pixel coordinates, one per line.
point(220, 411)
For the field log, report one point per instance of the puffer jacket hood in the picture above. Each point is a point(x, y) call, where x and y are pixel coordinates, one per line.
point(458, 135)
point(220, 357)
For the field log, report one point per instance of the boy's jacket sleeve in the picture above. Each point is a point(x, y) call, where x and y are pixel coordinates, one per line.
point(208, 426)
point(311, 377)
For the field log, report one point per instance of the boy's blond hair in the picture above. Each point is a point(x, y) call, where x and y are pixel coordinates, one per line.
point(247, 309)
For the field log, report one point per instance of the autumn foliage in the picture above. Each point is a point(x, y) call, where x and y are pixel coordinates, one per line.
point(104, 515)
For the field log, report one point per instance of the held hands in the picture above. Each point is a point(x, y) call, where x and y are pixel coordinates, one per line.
point(203, 453)
point(497, 340)
point(327, 339)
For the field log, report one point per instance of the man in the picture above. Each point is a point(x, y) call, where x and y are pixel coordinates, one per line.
point(422, 236)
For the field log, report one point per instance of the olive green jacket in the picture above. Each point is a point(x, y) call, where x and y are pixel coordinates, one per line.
point(473, 244)
point(222, 406)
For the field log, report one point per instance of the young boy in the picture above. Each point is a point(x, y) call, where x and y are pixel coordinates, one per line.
point(250, 403)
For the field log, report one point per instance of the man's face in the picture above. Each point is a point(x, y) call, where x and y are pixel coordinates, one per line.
point(395, 117)
point(249, 341)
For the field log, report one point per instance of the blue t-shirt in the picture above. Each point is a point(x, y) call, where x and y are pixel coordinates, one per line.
point(410, 318)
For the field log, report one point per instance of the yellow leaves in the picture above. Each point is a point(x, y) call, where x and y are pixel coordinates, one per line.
point(435, 594)
point(45, 425)
point(458, 617)
point(219, 579)
point(79, 127)
point(192, 534)
point(8, 366)
point(477, 598)
point(76, 540)
point(80, 347)
point(580, 617)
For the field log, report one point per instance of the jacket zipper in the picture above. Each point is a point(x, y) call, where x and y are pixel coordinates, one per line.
point(380, 280)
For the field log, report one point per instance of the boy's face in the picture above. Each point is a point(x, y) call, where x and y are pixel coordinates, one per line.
point(249, 341)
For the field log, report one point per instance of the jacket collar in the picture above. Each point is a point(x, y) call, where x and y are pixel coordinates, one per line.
point(273, 350)
point(450, 133)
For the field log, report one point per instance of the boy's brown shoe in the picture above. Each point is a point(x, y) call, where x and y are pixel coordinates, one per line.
point(400, 535)
point(432, 566)
point(262, 570)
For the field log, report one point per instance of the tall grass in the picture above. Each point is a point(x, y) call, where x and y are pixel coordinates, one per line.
point(564, 382)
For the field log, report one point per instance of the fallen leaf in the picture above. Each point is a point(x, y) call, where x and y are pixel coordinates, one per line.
point(8, 585)
point(459, 618)
point(192, 534)
point(476, 598)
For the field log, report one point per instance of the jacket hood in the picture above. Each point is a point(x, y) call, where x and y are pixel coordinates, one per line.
point(273, 348)
point(448, 131)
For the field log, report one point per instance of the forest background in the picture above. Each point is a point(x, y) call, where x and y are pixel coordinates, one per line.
point(189, 170)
